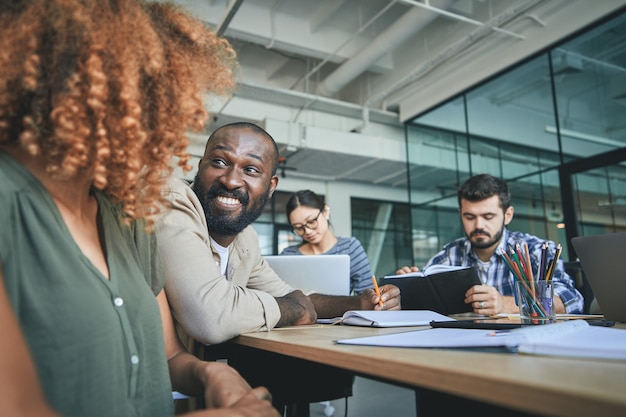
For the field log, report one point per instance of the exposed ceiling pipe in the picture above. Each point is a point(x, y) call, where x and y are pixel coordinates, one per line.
point(350, 39)
point(303, 100)
point(456, 48)
point(410, 23)
point(233, 6)
point(365, 116)
point(276, 5)
point(443, 12)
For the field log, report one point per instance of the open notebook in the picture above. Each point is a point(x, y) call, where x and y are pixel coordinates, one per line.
point(324, 274)
point(387, 318)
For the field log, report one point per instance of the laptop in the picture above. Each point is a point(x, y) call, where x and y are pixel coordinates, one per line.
point(325, 274)
point(604, 264)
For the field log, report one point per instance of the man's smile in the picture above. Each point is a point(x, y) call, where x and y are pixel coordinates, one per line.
point(228, 201)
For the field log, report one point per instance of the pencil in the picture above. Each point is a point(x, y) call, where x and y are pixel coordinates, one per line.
point(555, 261)
point(380, 300)
point(529, 264)
point(543, 260)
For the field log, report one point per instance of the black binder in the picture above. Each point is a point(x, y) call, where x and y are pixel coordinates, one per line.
point(443, 292)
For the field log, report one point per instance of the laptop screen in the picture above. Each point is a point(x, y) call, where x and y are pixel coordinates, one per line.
point(604, 264)
point(324, 274)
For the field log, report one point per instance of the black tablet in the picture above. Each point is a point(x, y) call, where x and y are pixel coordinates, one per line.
point(483, 323)
point(501, 323)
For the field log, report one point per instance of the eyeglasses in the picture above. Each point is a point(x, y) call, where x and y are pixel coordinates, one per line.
point(310, 224)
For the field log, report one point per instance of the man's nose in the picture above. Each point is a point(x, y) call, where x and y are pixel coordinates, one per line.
point(232, 178)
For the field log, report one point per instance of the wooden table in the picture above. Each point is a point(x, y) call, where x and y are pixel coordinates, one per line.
point(532, 384)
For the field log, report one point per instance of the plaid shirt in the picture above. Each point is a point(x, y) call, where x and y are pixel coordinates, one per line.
point(498, 275)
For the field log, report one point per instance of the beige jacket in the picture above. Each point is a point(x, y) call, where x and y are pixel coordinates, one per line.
point(211, 307)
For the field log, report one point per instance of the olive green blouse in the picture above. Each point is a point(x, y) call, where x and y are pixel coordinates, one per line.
point(97, 344)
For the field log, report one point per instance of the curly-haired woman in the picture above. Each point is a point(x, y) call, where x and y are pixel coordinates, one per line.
point(96, 97)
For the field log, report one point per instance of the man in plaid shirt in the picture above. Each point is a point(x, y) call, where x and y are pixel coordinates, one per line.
point(485, 208)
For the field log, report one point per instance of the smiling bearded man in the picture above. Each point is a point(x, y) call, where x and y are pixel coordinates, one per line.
point(220, 202)
point(218, 283)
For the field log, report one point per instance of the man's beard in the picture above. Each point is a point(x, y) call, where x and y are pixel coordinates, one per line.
point(225, 224)
point(486, 243)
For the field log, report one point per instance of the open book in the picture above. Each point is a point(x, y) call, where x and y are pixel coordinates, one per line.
point(387, 318)
point(431, 270)
point(439, 288)
point(574, 338)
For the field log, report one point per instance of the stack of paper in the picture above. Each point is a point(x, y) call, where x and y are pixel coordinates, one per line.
point(574, 338)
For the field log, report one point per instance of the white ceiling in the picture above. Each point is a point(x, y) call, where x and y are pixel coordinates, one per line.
point(329, 78)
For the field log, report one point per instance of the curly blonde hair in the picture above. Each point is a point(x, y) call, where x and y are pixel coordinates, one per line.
point(108, 88)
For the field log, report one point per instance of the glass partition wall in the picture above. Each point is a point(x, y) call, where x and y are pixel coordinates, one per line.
point(553, 127)
point(533, 126)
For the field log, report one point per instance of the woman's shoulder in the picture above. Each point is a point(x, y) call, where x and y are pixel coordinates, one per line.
point(347, 243)
point(291, 250)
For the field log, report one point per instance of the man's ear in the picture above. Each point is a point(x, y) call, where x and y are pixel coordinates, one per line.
point(508, 215)
point(200, 162)
point(273, 185)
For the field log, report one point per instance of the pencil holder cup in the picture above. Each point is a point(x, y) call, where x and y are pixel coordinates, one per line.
point(535, 301)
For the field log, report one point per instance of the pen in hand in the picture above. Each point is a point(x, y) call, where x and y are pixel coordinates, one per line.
point(380, 300)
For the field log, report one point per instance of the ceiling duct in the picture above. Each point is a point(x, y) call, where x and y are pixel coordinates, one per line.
point(409, 24)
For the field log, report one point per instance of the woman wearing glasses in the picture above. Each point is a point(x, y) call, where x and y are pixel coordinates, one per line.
point(309, 216)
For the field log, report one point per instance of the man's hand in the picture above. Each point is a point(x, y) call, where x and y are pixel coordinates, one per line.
point(407, 270)
point(389, 294)
point(296, 309)
point(486, 300)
